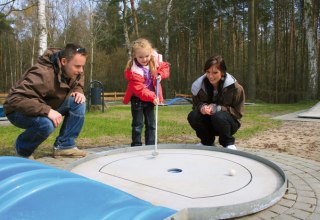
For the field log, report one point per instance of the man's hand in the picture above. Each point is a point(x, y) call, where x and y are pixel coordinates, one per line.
point(79, 98)
point(55, 117)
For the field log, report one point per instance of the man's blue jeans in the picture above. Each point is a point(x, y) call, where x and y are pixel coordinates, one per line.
point(38, 128)
point(142, 110)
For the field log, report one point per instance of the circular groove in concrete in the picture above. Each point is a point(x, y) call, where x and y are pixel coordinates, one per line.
point(221, 184)
point(207, 203)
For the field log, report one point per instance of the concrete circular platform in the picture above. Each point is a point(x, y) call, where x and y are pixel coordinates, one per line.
point(301, 201)
point(194, 180)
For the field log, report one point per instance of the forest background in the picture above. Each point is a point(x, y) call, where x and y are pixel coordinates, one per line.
point(272, 47)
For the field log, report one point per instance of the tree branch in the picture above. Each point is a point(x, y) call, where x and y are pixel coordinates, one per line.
point(12, 8)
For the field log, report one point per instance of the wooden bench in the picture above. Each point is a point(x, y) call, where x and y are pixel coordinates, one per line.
point(2, 97)
point(118, 96)
point(182, 95)
point(113, 96)
point(107, 96)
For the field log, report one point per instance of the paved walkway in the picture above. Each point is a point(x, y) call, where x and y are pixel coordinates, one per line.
point(302, 201)
point(313, 112)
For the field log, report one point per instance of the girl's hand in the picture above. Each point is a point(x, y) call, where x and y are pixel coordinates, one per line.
point(156, 101)
point(159, 78)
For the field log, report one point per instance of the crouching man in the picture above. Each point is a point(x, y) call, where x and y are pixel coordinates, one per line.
point(48, 94)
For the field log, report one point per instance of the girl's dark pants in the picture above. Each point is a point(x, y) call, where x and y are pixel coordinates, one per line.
point(142, 113)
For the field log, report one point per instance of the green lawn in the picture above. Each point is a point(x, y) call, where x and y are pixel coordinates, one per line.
point(113, 127)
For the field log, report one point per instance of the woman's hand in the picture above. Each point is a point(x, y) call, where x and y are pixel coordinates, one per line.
point(207, 109)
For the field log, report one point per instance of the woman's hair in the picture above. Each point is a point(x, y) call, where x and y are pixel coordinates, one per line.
point(71, 49)
point(138, 44)
point(218, 61)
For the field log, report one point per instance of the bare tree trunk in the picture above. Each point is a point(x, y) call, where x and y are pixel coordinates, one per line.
point(21, 61)
point(92, 39)
point(312, 51)
point(277, 48)
point(292, 61)
point(16, 60)
point(5, 69)
point(302, 80)
point(166, 31)
point(66, 21)
point(33, 49)
point(135, 19)
point(125, 28)
point(220, 34)
point(200, 42)
point(10, 64)
point(42, 26)
point(242, 45)
point(212, 48)
point(189, 58)
point(2, 73)
point(234, 38)
point(251, 52)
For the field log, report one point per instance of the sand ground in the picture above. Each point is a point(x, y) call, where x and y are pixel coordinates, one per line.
point(299, 138)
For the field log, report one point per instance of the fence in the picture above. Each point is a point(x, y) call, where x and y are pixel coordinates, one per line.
point(109, 96)
point(113, 96)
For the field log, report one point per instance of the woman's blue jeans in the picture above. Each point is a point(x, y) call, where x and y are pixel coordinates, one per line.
point(38, 128)
point(142, 110)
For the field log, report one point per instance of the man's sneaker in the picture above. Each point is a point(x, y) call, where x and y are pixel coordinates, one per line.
point(231, 147)
point(72, 152)
point(31, 157)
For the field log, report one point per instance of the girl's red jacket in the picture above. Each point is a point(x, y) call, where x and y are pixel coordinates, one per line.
point(137, 87)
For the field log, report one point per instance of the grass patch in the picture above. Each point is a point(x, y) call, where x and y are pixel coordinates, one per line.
point(113, 127)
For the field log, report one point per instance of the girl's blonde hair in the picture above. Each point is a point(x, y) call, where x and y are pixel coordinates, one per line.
point(145, 44)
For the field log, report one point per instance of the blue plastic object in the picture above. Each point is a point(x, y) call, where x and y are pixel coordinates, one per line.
point(31, 190)
point(179, 99)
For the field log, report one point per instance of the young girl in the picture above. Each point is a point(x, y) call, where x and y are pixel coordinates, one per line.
point(142, 72)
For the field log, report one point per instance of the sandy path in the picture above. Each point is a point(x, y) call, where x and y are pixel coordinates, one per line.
point(297, 138)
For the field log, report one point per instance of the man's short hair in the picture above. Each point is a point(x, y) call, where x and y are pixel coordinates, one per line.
point(71, 49)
